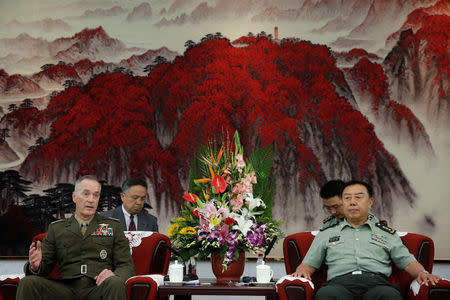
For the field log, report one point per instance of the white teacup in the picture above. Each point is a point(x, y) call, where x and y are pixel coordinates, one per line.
point(263, 273)
point(176, 272)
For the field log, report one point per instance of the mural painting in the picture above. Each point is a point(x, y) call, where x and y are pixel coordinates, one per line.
point(343, 89)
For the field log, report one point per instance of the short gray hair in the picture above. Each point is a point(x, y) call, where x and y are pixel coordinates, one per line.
point(90, 177)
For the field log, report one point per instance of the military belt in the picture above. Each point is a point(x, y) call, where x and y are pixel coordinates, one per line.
point(365, 273)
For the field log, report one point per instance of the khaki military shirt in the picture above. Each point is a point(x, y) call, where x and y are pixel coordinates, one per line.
point(104, 246)
point(332, 220)
point(367, 248)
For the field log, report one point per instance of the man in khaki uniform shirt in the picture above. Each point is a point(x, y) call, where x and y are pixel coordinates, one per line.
point(92, 252)
point(331, 195)
point(358, 252)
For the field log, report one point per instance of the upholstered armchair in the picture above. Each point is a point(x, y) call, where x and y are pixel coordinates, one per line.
point(296, 246)
point(150, 256)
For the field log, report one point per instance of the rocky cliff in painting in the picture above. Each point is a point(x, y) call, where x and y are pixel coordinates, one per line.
point(418, 70)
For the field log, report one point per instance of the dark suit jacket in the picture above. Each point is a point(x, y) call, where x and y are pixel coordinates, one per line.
point(146, 221)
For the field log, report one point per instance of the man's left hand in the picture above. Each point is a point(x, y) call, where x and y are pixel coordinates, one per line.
point(103, 275)
point(427, 278)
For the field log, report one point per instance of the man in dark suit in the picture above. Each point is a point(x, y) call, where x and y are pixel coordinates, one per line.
point(92, 252)
point(131, 212)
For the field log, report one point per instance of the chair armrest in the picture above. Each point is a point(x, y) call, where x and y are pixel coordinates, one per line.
point(8, 287)
point(144, 286)
point(434, 292)
point(290, 288)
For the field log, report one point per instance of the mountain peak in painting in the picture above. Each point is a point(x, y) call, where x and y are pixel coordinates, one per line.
point(90, 43)
point(141, 12)
point(417, 18)
point(16, 84)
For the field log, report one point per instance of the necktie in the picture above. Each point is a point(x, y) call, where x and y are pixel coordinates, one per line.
point(132, 226)
point(84, 228)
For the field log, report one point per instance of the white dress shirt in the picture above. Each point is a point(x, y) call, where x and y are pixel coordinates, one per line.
point(127, 218)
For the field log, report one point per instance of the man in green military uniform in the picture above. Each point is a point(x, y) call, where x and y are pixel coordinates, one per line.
point(331, 195)
point(358, 252)
point(92, 252)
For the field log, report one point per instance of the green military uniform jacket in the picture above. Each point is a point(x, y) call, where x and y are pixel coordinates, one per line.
point(104, 246)
point(370, 247)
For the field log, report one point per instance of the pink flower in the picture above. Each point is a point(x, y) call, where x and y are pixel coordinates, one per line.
point(247, 184)
point(252, 177)
point(237, 202)
point(240, 164)
point(227, 170)
point(238, 188)
point(248, 187)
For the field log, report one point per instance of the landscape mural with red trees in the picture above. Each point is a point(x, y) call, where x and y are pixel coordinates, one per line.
point(332, 110)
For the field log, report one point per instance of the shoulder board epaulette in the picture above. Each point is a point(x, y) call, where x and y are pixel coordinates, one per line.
point(327, 219)
point(57, 221)
point(111, 218)
point(385, 228)
point(329, 226)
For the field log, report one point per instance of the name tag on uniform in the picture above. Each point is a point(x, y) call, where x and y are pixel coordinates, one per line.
point(334, 239)
point(103, 230)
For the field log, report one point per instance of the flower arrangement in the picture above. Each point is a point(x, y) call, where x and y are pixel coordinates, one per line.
point(229, 204)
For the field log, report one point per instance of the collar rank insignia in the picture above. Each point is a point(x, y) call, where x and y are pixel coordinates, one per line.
point(332, 224)
point(327, 219)
point(378, 238)
point(385, 228)
point(103, 230)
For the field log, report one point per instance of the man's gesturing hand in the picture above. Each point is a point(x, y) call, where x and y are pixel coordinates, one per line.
point(35, 256)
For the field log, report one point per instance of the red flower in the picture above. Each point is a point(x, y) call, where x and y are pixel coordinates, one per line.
point(195, 213)
point(189, 197)
point(219, 184)
point(229, 221)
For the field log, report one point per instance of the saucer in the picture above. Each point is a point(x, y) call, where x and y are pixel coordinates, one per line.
point(174, 283)
point(263, 283)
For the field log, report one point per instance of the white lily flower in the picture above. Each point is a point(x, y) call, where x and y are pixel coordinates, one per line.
point(243, 224)
point(253, 202)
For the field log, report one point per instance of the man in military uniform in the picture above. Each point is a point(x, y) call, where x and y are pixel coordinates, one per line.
point(92, 252)
point(331, 194)
point(358, 252)
point(332, 202)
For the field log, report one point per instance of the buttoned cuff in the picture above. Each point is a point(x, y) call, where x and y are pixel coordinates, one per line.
point(29, 271)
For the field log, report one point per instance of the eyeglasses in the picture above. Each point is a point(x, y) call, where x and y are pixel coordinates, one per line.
point(332, 207)
point(136, 198)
